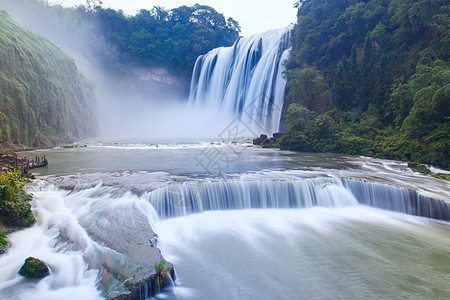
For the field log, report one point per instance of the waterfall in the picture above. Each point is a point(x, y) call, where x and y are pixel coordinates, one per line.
point(245, 80)
point(193, 197)
point(397, 199)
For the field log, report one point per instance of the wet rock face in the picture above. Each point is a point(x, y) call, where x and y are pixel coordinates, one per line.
point(34, 268)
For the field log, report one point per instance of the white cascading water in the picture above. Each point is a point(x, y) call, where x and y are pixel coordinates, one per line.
point(245, 80)
point(235, 235)
point(68, 226)
point(195, 197)
point(69, 272)
point(352, 252)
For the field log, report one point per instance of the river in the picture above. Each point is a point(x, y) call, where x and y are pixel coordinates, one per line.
point(236, 220)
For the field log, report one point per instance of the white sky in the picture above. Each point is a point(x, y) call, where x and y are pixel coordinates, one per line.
point(254, 16)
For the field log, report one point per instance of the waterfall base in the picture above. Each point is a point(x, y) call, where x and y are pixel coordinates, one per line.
point(314, 253)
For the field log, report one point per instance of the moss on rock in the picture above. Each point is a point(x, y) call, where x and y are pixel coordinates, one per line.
point(34, 268)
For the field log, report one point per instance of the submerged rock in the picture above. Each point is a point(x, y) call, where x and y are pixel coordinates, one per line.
point(34, 268)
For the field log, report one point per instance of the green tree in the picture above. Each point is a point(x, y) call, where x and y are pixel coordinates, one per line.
point(386, 62)
point(309, 88)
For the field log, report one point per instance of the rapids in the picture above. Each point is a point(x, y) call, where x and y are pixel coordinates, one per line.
point(268, 223)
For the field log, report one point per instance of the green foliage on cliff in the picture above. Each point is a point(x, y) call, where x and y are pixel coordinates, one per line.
point(3, 241)
point(158, 38)
point(43, 98)
point(371, 77)
point(14, 207)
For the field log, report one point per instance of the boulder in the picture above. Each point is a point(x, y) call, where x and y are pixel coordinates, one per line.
point(34, 268)
point(261, 140)
point(277, 135)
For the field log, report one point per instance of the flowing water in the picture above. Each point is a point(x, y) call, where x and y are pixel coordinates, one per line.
point(237, 221)
point(245, 80)
point(316, 253)
point(253, 223)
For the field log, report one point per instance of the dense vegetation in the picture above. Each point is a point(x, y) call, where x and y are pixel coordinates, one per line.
point(44, 101)
point(371, 77)
point(43, 98)
point(14, 207)
point(172, 39)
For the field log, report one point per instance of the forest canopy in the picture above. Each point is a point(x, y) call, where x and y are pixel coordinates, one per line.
point(173, 38)
point(371, 77)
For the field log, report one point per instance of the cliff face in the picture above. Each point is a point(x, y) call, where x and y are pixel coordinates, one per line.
point(44, 100)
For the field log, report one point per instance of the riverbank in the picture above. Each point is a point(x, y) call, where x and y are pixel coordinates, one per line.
point(11, 161)
point(15, 210)
point(276, 141)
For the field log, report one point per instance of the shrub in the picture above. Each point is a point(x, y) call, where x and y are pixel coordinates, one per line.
point(14, 207)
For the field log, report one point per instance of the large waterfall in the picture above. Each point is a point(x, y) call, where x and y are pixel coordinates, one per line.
point(245, 80)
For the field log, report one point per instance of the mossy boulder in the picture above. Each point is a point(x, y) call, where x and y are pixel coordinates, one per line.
point(34, 268)
point(416, 167)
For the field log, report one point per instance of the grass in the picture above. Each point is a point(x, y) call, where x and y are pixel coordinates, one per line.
point(162, 272)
